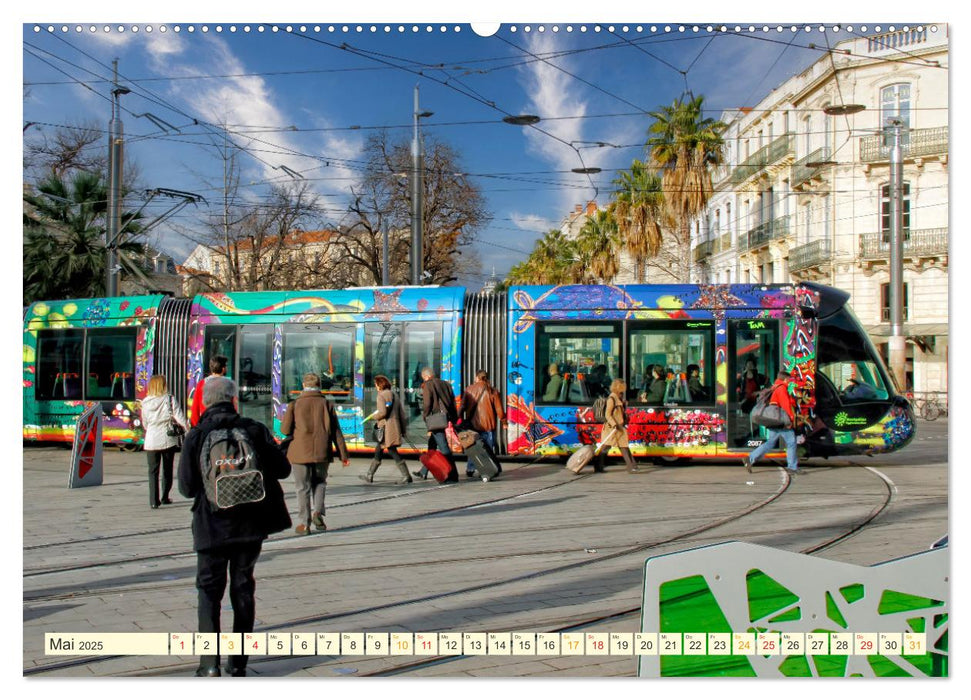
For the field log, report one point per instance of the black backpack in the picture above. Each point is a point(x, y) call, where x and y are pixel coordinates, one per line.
point(230, 469)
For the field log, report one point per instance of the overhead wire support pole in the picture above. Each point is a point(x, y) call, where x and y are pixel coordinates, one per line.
point(417, 176)
point(898, 342)
point(116, 138)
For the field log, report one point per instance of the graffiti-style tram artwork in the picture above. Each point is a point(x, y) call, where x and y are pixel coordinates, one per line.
point(692, 357)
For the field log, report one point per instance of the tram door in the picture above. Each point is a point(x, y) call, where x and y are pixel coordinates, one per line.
point(399, 351)
point(254, 372)
point(753, 362)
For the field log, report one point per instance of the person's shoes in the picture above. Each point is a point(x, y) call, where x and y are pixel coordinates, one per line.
point(369, 478)
point(598, 469)
point(318, 520)
point(420, 475)
point(208, 672)
point(154, 506)
point(797, 471)
point(470, 475)
point(302, 529)
point(633, 470)
point(168, 501)
point(235, 672)
point(747, 464)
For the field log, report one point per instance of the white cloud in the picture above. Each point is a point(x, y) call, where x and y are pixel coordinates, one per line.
point(163, 45)
point(113, 38)
point(531, 222)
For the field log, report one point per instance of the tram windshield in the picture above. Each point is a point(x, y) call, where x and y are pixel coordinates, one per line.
point(847, 358)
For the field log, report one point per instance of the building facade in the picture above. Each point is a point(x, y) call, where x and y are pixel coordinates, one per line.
point(804, 192)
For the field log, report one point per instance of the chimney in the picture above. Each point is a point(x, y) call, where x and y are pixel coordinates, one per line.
point(591, 208)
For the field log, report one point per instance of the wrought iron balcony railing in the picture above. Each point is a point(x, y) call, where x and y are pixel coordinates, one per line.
point(762, 158)
point(765, 232)
point(801, 171)
point(702, 250)
point(810, 255)
point(917, 243)
point(917, 142)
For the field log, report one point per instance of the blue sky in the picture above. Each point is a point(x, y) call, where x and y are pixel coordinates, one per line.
point(309, 104)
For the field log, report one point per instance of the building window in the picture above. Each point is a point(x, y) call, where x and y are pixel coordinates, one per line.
point(895, 104)
point(885, 211)
point(808, 144)
point(885, 302)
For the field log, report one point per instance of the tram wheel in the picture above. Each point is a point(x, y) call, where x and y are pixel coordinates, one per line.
point(666, 460)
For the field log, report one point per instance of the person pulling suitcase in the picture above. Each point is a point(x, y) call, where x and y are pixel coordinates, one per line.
point(482, 412)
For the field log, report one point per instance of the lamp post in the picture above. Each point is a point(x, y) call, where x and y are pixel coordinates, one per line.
point(418, 174)
point(898, 343)
point(116, 139)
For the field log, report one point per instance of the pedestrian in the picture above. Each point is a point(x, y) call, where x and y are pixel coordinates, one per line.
point(312, 421)
point(389, 423)
point(552, 392)
point(217, 368)
point(615, 427)
point(779, 397)
point(482, 410)
point(438, 400)
point(232, 537)
point(160, 411)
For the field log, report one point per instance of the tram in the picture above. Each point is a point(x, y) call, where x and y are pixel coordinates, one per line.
point(551, 351)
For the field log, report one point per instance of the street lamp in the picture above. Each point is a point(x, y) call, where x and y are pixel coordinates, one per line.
point(842, 110)
point(898, 343)
point(586, 171)
point(418, 174)
point(521, 119)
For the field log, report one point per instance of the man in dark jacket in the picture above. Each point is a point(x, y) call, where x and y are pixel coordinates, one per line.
point(312, 421)
point(230, 537)
point(437, 397)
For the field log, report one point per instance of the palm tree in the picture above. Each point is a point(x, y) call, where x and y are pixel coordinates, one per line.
point(64, 251)
point(550, 262)
point(637, 208)
point(599, 245)
point(686, 146)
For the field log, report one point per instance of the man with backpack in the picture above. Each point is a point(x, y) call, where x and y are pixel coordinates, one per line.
point(232, 468)
point(781, 427)
point(312, 421)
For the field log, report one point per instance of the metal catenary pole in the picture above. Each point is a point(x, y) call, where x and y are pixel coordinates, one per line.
point(416, 208)
point(898, 343)
point(116, 140)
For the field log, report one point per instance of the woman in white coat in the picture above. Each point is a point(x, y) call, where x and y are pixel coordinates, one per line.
point(159, 411)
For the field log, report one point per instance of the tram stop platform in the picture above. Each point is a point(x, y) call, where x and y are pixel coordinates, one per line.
point(537, 550)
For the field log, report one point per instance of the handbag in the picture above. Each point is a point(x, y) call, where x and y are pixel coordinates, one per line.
point(769, 415)
point(439, 419)
point(377, 433)
point(175, 429)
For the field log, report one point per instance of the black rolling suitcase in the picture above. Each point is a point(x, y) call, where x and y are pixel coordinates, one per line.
point(483, 462)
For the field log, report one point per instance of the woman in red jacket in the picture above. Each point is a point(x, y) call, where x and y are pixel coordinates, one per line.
point(780, 397)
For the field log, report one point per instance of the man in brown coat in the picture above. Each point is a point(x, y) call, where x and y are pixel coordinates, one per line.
point(482, 410)
point(312, 421)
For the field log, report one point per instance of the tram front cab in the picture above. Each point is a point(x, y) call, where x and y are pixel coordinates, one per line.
point(858, 406)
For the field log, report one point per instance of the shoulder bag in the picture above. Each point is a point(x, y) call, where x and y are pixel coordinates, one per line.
point(175, 429)
point(438, 419)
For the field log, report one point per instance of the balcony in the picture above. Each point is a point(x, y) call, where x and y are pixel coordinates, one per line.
point(810, 255)
point(763, 158)
point(763, 233)
point(802, 172)
point(702, 251)
point(918, 243)
point(919, 143)
point(897, 40)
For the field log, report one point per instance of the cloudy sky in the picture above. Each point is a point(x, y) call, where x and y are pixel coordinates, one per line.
point(306, 101)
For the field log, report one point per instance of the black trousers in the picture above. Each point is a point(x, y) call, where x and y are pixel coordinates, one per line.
point(211, 566)
point(393, 451)
point(155, 458)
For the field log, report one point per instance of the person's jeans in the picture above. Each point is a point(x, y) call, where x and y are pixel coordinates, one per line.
point(211, 565)
point(788, 436)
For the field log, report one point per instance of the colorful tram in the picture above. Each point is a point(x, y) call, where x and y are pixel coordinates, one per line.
point(551, 350)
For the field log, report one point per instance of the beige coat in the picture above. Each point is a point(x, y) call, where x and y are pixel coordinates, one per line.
point(616, 420)
point(312, 421)
point(393, 424)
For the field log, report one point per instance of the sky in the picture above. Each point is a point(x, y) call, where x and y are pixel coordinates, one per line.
point(305, 100)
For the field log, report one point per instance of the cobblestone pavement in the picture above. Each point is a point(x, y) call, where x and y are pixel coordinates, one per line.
point(536, 550)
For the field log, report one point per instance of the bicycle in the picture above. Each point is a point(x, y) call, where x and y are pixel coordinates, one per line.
point(930, 406)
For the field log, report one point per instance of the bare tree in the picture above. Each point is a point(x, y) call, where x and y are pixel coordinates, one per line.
point(453, 212)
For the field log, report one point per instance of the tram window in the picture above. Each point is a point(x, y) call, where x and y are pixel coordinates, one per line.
point(110, 358)
point(680, 353)
point(845, 353)
point(576, 362)
point(327, 351)
point(59, 366)
point(221, 340)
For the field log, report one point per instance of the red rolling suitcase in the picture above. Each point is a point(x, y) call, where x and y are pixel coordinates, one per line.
point(439, 466)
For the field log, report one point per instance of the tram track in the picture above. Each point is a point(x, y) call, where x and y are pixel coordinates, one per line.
point(641, 546)
point(685, 537)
